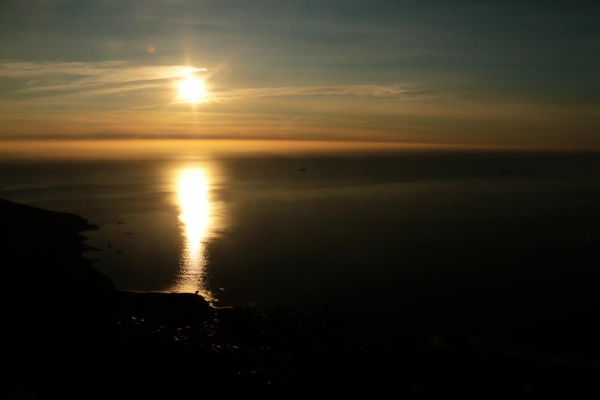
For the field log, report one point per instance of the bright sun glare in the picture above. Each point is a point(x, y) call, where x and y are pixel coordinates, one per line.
point(191, 90)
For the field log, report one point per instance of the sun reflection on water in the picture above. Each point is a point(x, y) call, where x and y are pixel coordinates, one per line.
point(196, 219)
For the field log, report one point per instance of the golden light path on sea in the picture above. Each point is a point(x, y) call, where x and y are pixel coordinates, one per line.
point(195, 218)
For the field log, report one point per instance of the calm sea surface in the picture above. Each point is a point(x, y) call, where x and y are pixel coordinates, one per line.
point(410, 234)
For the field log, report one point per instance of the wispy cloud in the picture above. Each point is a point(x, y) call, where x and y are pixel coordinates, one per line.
point(21, 69)
point(47, 82)
point(393, 92)
point(99, 78)
point(178, 21)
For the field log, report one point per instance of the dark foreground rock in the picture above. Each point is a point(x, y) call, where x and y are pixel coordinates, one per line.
point(68, 334)
point(41, 253)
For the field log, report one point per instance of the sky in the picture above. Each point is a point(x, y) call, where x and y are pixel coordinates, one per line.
point(460, 73)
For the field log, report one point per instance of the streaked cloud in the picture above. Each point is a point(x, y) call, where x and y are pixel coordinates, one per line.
point(178, 21)
point(86, 80)
point(394, 92)
point(77, 76)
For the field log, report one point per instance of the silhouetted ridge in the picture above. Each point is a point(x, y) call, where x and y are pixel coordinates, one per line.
point(42, 252)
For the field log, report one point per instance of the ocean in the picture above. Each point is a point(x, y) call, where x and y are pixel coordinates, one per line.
point(431, 238)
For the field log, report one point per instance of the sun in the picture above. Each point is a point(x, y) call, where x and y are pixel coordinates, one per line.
point(191, 90)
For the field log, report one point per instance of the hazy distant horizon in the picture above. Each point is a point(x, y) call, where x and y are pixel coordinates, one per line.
point(174, 149)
